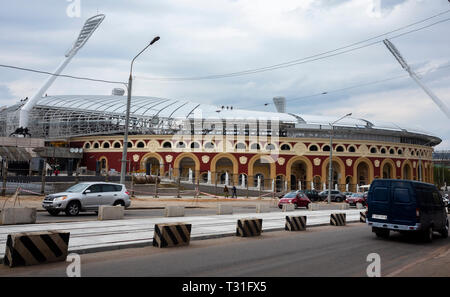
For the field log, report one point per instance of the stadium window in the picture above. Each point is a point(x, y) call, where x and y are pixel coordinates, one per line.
point(255, 146)
point(141, 144)
point(87, 145)
point(181, 144)
point(352, 149)
point(383, 151)
point(241, 146)
point(326, 148)
point(285, 147)
point(340, 149)
point(313, 148)
point(195, 145)
point(373, 150)
point(167, 145)
point(106, 144)
point(209, 145)
point(117, 145)
point(270, 147)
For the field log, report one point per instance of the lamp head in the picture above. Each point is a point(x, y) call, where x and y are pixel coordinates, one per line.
point(154, 40)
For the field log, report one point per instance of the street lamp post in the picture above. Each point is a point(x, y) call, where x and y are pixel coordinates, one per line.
point(330, 163)
point(127, 117)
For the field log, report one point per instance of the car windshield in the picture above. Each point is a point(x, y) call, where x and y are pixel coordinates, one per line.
point(357, 195)
point(290, 195)
point(78, 188)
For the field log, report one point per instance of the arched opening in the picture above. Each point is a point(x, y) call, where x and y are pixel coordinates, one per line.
point(337, 175)
point(261, 168)
point(186, 165)
point(388, 171)
point(223, 167)
point(407, 172)
point(362, 174)
point(298, 175)
point(152, 166)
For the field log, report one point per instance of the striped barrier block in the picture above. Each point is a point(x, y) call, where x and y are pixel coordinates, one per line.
point(32, 248)
point(249, 227)
point(338, 219)
point(295, 223)
point(172, 234)
point(362, 216)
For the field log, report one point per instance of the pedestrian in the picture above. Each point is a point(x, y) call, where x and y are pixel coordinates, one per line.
point(233, 191)
point(225, 191)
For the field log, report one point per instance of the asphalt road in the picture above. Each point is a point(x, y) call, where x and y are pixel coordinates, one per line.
point(45, 217)
point(319, 251)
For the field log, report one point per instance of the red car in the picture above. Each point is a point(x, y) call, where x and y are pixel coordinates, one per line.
point(299, 199)
point(357, 198)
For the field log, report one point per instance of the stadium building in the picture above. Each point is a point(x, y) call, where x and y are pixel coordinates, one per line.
point(221, 144)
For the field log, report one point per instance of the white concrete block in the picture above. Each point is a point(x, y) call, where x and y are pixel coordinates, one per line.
point(18, 215)
point(260, 208)
point(174, 211)
point(288, 207)
point(224, 209)
point(106, 212)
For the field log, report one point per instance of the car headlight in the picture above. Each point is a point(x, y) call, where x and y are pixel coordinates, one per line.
point(60, 198)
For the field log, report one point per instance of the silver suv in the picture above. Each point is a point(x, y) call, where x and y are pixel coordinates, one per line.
point(86, 197)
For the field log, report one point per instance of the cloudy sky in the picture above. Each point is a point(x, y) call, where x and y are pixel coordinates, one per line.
point(201, 38)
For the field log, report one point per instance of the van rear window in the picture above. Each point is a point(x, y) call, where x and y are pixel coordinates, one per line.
point(401, 195)
point(380, 194)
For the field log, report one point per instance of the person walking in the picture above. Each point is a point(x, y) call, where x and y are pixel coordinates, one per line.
point(225, 191)
point(233, 192)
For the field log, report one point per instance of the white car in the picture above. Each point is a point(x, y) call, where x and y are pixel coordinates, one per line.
point(86, 197)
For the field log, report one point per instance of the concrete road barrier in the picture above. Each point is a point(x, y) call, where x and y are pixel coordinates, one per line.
point(260, 208)
point(18, 215)
point(224, 209)
point(32, 248)
point(249, 227)
point(359, 206)
point(362, 216)
point(338, 219)
point(288, 207)
point(295, 223)
point(106, 212)
point(320, 206)
point(174, 211)
point(172, 234)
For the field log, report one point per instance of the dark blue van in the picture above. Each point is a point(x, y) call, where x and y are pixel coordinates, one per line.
point(405, 205)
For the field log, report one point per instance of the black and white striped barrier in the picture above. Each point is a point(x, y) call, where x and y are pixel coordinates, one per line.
point(362, 216)
point(295, 223)
point(338, 219)
point(249, 227)
point(32, 248)
point(173, 234)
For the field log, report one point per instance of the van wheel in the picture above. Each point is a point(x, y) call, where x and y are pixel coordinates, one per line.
point(444, 232)
point(427, 234)
point(73, 208)
point(382, 233)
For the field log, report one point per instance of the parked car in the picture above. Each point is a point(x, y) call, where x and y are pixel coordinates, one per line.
point(298, 198)
point(313, 195)
point(348, 194)
point(356, 198)
point(408, 206)
point(86, 197)
point(336, 196)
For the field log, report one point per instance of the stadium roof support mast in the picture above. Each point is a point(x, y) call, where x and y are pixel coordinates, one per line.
point(88, 29)
point(414, 76)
